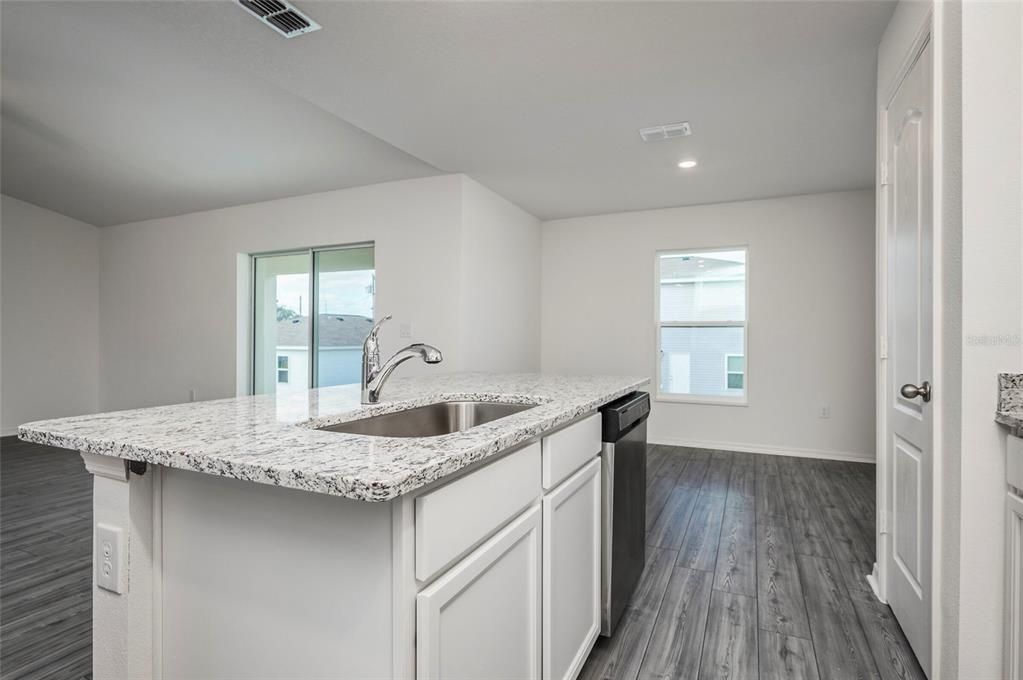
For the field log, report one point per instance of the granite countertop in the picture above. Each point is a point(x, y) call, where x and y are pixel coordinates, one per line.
point(1010, 401)
point(270, 439)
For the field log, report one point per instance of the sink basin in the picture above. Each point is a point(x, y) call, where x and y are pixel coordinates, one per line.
point(432, 420)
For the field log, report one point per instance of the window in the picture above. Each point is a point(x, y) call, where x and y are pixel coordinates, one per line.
point(701, 325)
point(735, 369)
point(312, 310)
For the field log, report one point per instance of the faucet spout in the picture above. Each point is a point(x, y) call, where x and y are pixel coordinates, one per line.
point(375, 374)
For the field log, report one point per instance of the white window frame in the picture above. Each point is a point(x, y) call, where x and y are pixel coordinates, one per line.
point(719, 400)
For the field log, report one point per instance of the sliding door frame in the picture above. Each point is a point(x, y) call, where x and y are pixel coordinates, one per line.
point(313, 337)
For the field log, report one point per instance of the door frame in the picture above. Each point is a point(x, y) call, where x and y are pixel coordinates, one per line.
point(927, 32)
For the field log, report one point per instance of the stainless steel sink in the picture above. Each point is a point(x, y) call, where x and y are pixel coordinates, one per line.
point(432, 420)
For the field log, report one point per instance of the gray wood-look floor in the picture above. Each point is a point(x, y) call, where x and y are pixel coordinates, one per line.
point(755, 569)
point(45, 563)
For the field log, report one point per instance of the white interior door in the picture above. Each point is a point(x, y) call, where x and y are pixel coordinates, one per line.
point(909, 433)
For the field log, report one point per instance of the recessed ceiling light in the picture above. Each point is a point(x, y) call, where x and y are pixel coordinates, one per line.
point(685, 165)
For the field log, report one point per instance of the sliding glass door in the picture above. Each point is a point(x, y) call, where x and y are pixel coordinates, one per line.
point(312, 311)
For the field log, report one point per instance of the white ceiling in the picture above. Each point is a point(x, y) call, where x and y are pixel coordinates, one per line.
point(117, 111)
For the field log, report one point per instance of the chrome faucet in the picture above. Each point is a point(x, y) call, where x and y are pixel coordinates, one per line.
point(374, 375)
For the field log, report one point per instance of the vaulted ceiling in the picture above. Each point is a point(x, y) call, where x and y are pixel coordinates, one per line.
point(114, 112)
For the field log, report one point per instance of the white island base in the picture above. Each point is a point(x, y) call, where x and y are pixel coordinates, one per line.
point(491, 572)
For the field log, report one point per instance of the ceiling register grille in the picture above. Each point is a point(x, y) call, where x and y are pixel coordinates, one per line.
point(281, 16)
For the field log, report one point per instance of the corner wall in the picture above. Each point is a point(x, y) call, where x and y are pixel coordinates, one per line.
point(811, 316)
point(992, 312)
point(50, 318)
point(169, 287)
point(500, 291)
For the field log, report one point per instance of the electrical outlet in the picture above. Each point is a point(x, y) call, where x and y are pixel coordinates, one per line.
point(111, 562)
point(824, 411)
point(405, 330)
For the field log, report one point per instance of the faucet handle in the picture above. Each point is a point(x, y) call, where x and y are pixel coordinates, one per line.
point(370, 345)
point(376, 327)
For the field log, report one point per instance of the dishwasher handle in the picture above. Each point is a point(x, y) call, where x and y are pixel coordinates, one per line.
point(622, 415)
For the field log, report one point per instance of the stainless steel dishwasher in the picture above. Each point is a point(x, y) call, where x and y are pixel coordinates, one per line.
point(623, 483)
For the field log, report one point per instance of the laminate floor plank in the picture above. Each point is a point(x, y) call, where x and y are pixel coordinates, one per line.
point(673, 465)
point(670, 527)
point(657, 491)
point(787, 596)
point(46, 569)
point(655, 457)
point(699, 548)
point(621, 656)
point(716, 480)
point(779, 591)
point(838, 638)
point(736, 568)
point(770, 495)
point(730, 646)
point(854, 556)
point(783, 657)
point(677, 640)
point(892, 654)
point(742, 489)
point(694, 473)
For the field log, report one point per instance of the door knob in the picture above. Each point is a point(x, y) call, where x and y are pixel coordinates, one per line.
point(911, 391)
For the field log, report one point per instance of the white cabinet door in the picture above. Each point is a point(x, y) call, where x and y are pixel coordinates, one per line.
point(1014, 587)
point(571, 573)
point(482, 618)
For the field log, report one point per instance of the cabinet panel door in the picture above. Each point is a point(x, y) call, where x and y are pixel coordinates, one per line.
point(481, 619)
point(571, 573)
point(1014, 587)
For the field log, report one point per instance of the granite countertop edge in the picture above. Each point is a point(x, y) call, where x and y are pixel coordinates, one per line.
point(358, 467)
point(1010, 401)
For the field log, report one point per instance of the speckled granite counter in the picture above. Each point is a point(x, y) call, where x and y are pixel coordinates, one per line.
point(272, 440)
point(1010, 401)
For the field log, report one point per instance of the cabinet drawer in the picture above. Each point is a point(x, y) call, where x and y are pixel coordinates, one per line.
point(569, 449)
point(457, 516)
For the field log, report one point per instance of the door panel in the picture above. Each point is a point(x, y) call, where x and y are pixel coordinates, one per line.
point(571, 573)
point(482, 618)
point(906, 530)
point(910, 338)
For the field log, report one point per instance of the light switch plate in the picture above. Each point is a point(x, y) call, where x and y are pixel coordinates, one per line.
point(111, 559)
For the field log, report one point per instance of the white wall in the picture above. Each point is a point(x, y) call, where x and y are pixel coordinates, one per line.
point(500, 293)
point(50, 318)
point(168, 286)
point(811, 315)
point(992, 311)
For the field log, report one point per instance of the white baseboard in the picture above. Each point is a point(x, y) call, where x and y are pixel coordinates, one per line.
point(875, 585)
point(821, 454)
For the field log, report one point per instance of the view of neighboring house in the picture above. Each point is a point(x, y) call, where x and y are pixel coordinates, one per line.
point(702, 335)
point(339, 338)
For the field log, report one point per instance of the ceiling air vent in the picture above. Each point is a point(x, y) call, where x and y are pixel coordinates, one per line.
point(666, 131)
point(281, 16)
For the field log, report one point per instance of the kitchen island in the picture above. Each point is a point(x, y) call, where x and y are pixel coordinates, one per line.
point(234, 538)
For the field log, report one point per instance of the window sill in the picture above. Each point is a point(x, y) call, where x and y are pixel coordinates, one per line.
point(706, 401)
